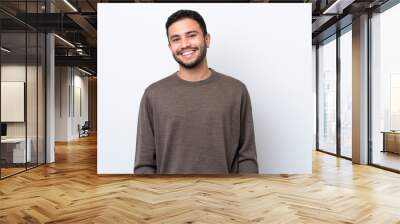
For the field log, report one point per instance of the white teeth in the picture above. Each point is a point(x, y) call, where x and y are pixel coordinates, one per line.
point(187, 53)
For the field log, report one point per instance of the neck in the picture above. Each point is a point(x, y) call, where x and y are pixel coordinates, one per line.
point(197, 73)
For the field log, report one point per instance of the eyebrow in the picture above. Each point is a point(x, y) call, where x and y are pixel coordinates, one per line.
point(189, 32)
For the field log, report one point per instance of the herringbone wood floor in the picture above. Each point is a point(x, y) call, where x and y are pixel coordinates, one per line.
point(70, 191)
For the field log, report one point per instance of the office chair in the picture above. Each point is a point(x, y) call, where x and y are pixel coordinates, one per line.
point(84, 130)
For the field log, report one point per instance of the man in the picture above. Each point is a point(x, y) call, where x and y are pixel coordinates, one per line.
point(195, 121)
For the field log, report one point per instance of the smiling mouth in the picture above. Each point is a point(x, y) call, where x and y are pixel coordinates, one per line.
point(188, 54)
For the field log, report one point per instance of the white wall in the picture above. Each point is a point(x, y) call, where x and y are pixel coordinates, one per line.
point(61, 103)
point(80, 84)
point(18, 73)
point(314, 90)
point(68, 81)
point(257, 43)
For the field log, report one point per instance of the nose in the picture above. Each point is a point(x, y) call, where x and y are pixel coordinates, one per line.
point(185, 43)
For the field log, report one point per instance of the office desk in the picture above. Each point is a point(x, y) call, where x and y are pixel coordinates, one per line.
point(391, 141)
point(15, 148)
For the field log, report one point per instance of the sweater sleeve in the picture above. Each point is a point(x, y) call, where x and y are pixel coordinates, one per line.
point(145, 156)
point(247, 155)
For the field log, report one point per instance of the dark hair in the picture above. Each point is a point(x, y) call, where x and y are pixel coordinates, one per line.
point(183, 14)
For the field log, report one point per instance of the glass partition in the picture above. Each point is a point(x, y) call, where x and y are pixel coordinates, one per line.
point(22, 67)
point(327, 96)
point(13, 110)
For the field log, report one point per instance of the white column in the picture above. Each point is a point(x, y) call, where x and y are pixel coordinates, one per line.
point(360, 90)
point(50, 110)
point(50, 92)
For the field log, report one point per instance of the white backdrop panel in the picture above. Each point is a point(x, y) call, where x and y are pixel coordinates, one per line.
point(266, 46)
point(12, 101)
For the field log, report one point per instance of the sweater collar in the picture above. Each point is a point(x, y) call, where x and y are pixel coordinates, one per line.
point(211, 78)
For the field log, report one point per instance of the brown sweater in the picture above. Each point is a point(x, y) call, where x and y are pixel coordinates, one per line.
point(201, 127)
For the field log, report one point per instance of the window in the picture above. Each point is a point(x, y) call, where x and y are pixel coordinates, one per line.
point(346, 93)
point(327, 96)
point(385, 88)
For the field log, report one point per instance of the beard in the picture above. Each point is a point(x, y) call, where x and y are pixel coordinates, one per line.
point(197, 61)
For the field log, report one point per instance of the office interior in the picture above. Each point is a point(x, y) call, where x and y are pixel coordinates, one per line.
point(30, 57)
point(48, 81)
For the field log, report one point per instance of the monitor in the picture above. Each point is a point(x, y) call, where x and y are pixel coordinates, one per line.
point(3, 129)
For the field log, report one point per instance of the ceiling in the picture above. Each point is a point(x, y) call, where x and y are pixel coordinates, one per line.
point(76, 22)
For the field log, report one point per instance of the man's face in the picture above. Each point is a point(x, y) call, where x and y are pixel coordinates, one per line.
point(187, 42)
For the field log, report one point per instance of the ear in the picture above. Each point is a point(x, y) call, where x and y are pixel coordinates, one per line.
point(207, 38)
